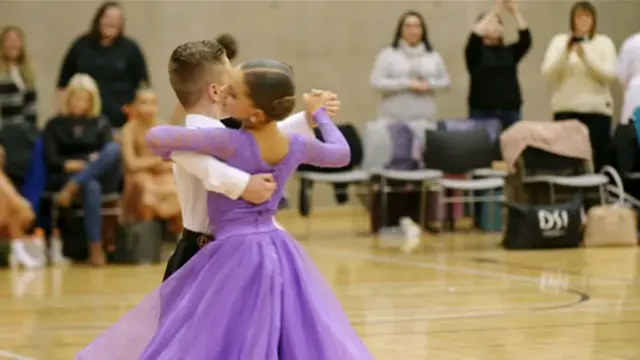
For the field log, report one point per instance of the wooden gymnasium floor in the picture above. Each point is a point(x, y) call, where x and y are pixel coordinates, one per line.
point(460, 297)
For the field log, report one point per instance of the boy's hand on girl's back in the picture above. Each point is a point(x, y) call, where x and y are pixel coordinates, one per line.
point(259, 189)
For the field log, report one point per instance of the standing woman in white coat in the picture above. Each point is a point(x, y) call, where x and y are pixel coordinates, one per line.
point(629, 75)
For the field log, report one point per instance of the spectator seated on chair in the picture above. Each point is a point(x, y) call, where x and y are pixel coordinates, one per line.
point(79, 150)
point(150, 190)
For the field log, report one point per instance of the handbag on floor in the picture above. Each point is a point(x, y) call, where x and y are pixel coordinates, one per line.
point(74, 239)
point(144, 242)
point(611, 225)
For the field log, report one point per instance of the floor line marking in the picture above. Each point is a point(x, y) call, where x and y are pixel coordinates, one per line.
point(426, 264)
point(100, 327)
point(429, 264)
point(13, 356)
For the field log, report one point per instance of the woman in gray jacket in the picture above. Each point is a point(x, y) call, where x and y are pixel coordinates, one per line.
point(408, 73)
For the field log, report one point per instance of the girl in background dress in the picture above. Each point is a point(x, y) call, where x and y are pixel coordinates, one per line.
point(253, 293)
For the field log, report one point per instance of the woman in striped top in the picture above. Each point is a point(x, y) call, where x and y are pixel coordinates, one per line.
point(18, 131)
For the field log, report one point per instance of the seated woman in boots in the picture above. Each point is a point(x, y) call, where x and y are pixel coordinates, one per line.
point(150, 190)
point(79, 150)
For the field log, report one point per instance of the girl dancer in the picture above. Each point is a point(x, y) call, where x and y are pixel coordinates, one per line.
point(252, 294)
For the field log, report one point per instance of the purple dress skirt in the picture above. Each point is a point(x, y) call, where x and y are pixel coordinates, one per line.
point(253, 294)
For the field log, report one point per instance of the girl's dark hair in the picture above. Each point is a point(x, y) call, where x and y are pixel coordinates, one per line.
point(584, 6)
point(270, 87)
point(423, 24)
point(267, 64)
point(94, 31)
point(229, 44)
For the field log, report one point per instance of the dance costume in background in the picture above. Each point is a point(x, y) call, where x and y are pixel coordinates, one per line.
point(253, 293)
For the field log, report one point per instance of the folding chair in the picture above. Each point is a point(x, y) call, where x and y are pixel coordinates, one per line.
point(539, 166)
point(353, 177)
point(110, 206)
point(461, 153)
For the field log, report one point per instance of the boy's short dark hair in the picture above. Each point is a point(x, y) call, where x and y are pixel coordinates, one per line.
point(191, 69)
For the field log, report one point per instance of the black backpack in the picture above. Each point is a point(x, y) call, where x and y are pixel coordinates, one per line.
point(543, 226)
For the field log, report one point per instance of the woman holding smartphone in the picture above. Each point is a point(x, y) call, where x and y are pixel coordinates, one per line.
point(581, 66)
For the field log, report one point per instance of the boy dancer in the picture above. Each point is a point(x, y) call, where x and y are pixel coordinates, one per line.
point(196, 174)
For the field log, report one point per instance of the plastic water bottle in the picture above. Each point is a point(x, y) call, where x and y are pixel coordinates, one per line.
point(390, 237)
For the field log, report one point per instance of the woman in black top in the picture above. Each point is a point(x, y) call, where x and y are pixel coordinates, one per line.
point(493, 66)
point(81, 155)
point(112, 59)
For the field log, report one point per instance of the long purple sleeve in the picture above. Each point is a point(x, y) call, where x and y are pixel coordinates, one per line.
point(165, 139)
point(334, 151)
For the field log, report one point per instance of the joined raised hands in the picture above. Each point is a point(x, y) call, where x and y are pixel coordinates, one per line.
point(316, 99)
point(510, 6)
point(331, 101)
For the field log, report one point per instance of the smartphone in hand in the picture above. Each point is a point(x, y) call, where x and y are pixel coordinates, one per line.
point(576, 40)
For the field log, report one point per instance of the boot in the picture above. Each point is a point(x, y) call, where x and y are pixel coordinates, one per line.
point(96, 254)
point(65, 196)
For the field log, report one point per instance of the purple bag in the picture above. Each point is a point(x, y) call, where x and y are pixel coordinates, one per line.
point(403, 142)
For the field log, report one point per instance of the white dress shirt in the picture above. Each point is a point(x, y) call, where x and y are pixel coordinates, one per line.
point(628, 71)
point(196, 174)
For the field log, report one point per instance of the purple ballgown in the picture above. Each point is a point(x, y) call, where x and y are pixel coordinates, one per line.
point(253, 294)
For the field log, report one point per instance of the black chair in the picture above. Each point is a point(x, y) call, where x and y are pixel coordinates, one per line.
point(539, 166)
point(461, 153)
point(340, 178)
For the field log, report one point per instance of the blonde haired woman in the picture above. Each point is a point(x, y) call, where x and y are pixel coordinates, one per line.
point(18, 135)
point(79, 149)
